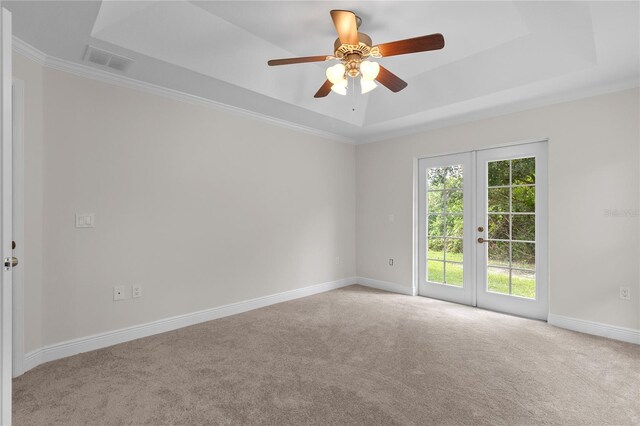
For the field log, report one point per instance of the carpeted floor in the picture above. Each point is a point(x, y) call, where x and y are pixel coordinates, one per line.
point(349, 356)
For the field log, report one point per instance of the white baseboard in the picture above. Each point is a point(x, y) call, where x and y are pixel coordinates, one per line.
point(589, 327)
point(385, 285)
point(596, 328)
point(103, 340)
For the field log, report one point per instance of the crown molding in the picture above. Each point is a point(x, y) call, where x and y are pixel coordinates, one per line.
point(30, 52)
point(506, 109)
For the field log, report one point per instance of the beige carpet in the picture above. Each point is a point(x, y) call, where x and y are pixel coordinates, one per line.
point(350, 356)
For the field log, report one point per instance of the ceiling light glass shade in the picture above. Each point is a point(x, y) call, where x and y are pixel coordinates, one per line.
point(335, 74)
point(367, 85)
point(340, 89)
point(369, 70)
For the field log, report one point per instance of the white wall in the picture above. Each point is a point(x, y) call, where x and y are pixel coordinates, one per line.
point(199, 206)
point(593, 167)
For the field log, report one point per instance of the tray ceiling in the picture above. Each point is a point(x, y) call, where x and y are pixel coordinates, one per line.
point(498, 56)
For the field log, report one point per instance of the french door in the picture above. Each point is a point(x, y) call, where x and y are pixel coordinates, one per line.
point(483, 229)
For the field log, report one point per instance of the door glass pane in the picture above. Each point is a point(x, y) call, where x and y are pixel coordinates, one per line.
point(524, 171)
point(523, 227)
point(511, 253)
point(499, 173)
point(454, 201)
point(524, 199)
point(499, 200)
point(454, 249)
point(454, 274)
point(435, 202)
point(523, 283)
point(435, 225)
point(498, 253)
point(454, 176)
point(436, 177)
point(453, 226)
point(445, 203)
point(435, 273)
point(499, 225)
point(498, 280)
point(523, 255)
point(436, 249)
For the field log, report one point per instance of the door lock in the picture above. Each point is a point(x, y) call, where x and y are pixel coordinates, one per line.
point(10, 262)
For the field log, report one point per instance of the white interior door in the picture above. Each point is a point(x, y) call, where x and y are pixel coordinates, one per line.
point(511, 237)
point(483, 229)
point(445, 232)
point(6, 130)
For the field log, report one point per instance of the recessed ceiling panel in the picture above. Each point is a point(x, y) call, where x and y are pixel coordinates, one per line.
point(231, 41)
point(183, 34)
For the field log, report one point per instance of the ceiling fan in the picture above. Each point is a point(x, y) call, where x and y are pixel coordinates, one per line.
point(352, 48)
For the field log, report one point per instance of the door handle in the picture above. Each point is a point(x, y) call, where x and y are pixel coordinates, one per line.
point(10, 262)
point(482, 240)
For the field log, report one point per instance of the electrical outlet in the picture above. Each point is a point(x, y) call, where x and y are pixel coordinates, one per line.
point(390, 262)
point(118, 292)
point(337, 260)
point(136, 291)
point(625, 293)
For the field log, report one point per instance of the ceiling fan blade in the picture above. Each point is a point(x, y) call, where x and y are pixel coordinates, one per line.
point(304, 59)
point(324, 90)
point(412, 45)
point(390, 80)
point(346, 26)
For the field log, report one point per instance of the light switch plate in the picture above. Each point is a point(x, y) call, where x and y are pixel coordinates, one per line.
point(85, 220)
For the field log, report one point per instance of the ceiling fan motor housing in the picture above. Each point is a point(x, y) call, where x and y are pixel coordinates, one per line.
point(352, 54)
point(363, 48)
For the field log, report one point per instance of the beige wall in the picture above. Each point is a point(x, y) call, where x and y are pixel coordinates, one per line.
point(31, 261)
point(205, 208)
point(201, 207)
point(593, 167)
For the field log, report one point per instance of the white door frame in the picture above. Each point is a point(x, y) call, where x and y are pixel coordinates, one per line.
point(18, 226)
point(6, 213)
point(542, 227)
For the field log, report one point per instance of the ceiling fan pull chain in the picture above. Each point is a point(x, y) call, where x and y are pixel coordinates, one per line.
point(353, 94)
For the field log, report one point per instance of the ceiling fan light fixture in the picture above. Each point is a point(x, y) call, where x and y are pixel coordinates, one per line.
point(340, 89)
point(335, 74)
point(367, 85)
point(369, 70)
